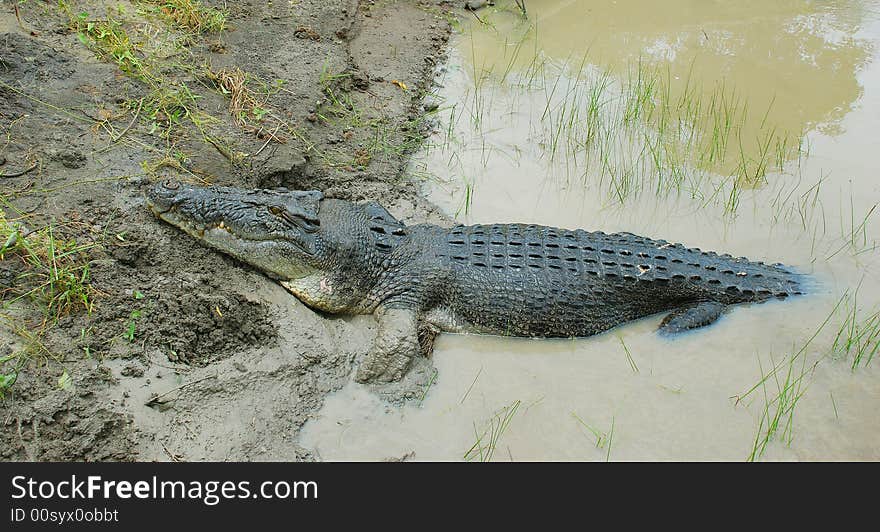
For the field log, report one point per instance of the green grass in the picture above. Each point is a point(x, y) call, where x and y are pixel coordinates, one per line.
point(30, 347)
point(170, 103)
point(428, 387)
point(53, 272)
point(629, 358)
point(468, 200)
point(834, 405)
point(636, 135)
point(248, 95)
point(858, 336)
point(138, 44)
point(338, 102)
point(49, 279)
point(855, 233)
point(603, 439)
point(191, 15)
point(111, 42)
point(487, 440)
point(471, 387)
point(791, 379)
point(151, 46)
point(637, 131)
point(384, 138)
point(167, 107)
point(777, 415)
point(131, 326)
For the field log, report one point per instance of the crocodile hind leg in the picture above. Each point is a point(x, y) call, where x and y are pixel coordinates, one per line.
point(700, 315)
point(397, 342)
point(427, 334)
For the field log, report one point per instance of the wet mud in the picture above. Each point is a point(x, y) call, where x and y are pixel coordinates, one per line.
point(186, 353)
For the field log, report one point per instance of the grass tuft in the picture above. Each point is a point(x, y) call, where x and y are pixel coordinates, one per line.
point(487, 441)
point(244, 103)
point(48, 274)
point(858, 337)
point(110, 41)
point(603, 439)
point(778, 410)
point(51, 272)
point(192, 15)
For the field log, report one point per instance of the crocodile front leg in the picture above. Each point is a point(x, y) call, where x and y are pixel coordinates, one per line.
point(397, 343)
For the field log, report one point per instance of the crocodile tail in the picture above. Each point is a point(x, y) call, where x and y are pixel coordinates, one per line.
point(750, 281)
point(801, 283)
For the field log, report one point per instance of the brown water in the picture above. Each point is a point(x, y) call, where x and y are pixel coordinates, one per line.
point(518, 142)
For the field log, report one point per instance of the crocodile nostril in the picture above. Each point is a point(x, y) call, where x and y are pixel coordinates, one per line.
point(171, 184)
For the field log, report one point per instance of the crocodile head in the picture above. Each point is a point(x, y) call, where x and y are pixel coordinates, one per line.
point(273, 230)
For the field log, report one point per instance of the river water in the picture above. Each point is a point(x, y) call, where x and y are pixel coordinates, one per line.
point(743, 127)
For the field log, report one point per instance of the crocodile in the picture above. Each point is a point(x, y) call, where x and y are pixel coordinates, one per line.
point(505, 279)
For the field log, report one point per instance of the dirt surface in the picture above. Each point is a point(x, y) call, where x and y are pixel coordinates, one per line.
point(188, 354)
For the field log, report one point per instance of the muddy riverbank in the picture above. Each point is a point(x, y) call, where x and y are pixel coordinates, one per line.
point(170, 351)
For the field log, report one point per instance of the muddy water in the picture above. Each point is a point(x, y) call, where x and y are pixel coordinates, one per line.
point(766, 381)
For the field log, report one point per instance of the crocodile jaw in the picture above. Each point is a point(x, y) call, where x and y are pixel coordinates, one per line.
point(317, 291)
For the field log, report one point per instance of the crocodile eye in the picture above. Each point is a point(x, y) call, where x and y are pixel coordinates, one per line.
point(294, 220)
point(171, 184)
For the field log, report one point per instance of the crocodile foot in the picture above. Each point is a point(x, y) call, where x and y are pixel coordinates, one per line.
point(396, 345)
point(427, 334)
point(685, 319)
